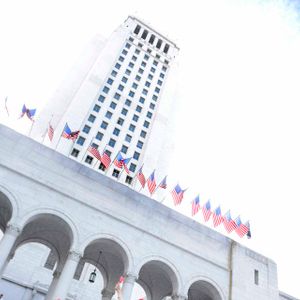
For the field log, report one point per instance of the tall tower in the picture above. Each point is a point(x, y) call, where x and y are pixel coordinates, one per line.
point(113, 96)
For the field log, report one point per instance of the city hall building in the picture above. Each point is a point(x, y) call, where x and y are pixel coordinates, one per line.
point(71, 227)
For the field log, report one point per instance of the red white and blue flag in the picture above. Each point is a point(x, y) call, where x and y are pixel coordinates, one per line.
point(177, 194)
point(94, 151)
point(29, 112)
point(195, 205)
point(50, 132)
point(206, 210)
point(229, 223)
point(151, 183)
point(217, 217)
point(69, 134)
point(105, 159)
point(163, 183)
point(241, 228)
point(141, 177)
point(121, 162)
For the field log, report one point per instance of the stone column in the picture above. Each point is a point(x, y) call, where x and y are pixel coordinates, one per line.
point(179, 297)
point(53, 285)
point(128, 286)
point(107, 294)
point(63, 284)
point(6, 245)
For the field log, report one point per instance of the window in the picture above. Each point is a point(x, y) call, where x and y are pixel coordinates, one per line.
point(128, 138)
point(132, 127)
point(124, 149)
point(112, 142)
point(154, 97)
point(147, 84)
point(121, 87)
point(140, 45)
point(157, 90)
point(152, 70)
point(134, 85)
point(124, 111)
point(101, 98)
point(114, 73)
point(99, 136)
point(146, 57)
point(128, 179)
point(155, 63)
point(157, 56)
point(96, 108)
point(141, 71)
point(145, 92)
point(146, 124)
point(86, 129)
point(80, 140)
point(117, 66)
point(143, 133)
point(150, 76)
point(127, 72)
point(120, 121)
point(88, 159)
point(124, 52)
point(113, 105)
point(104, 125)
point(149, 51)
point(121, 58)
point(143, 64)
point(145, 33)
point(124, 79)
point(115, 173)
point(164, 68)
point(102, 167)
point(116, 131)
point(159, 82)
point(91, 118)
point(166, 62)
point(166, 48)
point(117, 96)
point(140, 144)
point(75, 152)
point(132, 167)
point(131, 65)
point(131, 94)
point(108, 114)
point(105, 89)
point(110, 81)
point(149, 114)
point(159, 42)
point(137, 29)
point(152, 38)
point(142, 100)
point(152, 105)
point(161, 75)
point(127, 102)
point(137, 51)
point(136, 155)
point(131, 39)
point(127, 45)
point(135, 118)
point(95, 145)
point(256, 277)
point(134, 58)
point(138, 108)
point(137, 77)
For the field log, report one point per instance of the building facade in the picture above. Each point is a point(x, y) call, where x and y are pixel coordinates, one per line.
point(75, 212)
point(113, 96)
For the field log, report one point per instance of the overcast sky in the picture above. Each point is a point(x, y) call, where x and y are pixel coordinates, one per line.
point(238, 113)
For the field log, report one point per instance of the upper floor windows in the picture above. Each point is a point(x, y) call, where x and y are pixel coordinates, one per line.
point(137, 29)
point(145, 33)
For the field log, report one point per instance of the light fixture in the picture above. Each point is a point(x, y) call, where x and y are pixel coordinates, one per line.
point(93, 274)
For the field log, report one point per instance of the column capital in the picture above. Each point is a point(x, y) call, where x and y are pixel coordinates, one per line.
point(130, 277)
point(13, 229)
point(75, 255)
point(179, 297)
point(107, 293)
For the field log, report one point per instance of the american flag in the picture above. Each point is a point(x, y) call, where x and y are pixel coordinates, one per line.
point(163, 183)
point(105, 159)
point(68, 134)
point(121, 280)
point(29, 112)
point(94, 152)
point(177, 194)
point(195, 205)
point(50, 132)
point(122, 162)
point(141, 177)
point(151, 183)
point(241, 229)
point(217, 217)
point(229, 224)
point(206, 210)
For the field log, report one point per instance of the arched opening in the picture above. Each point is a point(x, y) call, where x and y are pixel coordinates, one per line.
point(6, 211)
point(158, 280)
point(202, 289)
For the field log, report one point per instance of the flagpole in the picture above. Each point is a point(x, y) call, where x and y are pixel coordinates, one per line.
point(5, 104)
point(31, 128)
point(112, 162)
point(60, 138)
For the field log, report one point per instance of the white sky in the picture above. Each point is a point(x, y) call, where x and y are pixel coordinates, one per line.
point(239, 64)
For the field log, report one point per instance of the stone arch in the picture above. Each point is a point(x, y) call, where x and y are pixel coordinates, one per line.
point(202, 286)
point(9, 207)
point(160, 276)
